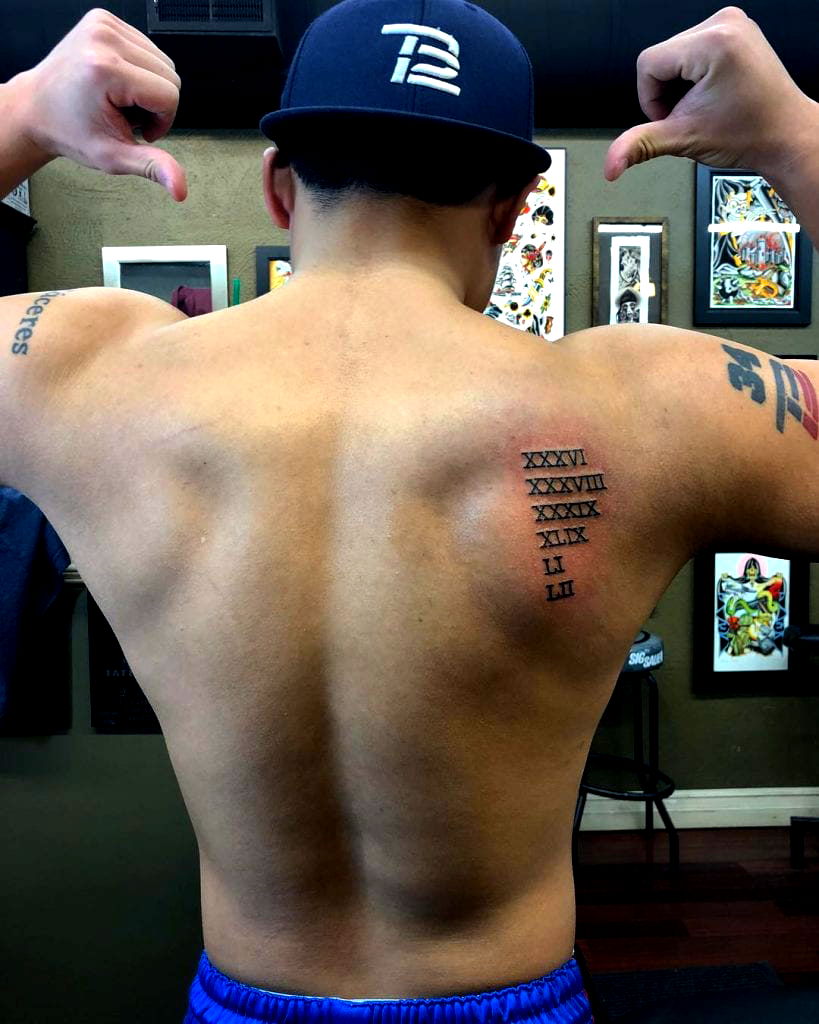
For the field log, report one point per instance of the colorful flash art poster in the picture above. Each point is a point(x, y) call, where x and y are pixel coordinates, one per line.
point(751, 611)
point(753, 245)
point(280, 273)
point(530, 287)
point(629, 284)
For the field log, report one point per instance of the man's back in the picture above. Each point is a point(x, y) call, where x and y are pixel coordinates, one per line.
point(376, 564)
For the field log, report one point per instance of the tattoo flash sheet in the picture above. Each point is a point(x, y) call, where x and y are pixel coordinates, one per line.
point(752, 245)
point(750, 612)
point(629, 280)
point(530, 287)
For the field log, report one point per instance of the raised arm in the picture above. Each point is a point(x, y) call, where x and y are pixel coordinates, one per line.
point(83, 100)
point(735, 430)
point(719, 94)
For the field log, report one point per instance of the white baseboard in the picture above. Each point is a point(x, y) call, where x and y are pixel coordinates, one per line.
point(705, 808)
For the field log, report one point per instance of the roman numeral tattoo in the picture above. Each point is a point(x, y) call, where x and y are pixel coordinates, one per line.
point(567, 536)
point(566, 484)
point(795, 393)
point(554, 458)
point(566, 510)
point(24, 332)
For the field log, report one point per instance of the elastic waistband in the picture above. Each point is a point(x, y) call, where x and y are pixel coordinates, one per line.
point(556, 998)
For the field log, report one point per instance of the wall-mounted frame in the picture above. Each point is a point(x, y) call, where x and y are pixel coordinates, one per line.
point(743, 602)
point(190, 277)
point(530, 288)
point(752, 260)
point(629, 270)
point(273, 268)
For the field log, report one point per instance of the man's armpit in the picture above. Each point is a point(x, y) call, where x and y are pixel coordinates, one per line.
point(793, 391)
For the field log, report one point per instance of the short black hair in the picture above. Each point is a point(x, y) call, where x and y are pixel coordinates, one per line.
point(434, 163)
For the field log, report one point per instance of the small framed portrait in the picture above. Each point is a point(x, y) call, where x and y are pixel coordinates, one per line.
point(744, 601)
point(273, 268)
point(530, 287)
point(191, 277)
point(629, 270)
point(753, 261)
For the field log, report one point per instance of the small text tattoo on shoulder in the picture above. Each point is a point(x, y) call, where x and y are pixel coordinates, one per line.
point(795, 393)
point(29, 322)
point(572, 508)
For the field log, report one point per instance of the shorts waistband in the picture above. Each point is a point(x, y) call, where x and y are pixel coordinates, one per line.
point(555, 998)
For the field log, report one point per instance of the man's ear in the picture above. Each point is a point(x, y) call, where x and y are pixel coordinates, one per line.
point(279, 190)
point(507, 212)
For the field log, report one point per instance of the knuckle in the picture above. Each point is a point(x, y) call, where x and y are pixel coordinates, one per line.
point(98, 64)
point(102, 33)
point(643, 58)
point(733, 13)
point(98, 16)
point(727, 37)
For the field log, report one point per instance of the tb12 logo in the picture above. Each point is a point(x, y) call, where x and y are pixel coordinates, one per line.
point(433, 76)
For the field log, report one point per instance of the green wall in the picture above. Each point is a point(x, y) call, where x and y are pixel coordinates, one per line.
point(98, 867)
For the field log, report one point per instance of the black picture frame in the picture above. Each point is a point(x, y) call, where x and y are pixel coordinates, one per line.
point(655, 230)
point(264, 255)
point(705, 314)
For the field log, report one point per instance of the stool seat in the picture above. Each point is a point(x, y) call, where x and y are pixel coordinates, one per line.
point(665, 788)
point(646, 653)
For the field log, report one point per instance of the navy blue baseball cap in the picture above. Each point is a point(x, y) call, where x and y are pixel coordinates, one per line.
point(443, 62)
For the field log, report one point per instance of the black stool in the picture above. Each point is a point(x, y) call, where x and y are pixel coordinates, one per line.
point(646, 653)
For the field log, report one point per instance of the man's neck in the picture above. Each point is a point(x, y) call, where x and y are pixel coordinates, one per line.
point(387, 246)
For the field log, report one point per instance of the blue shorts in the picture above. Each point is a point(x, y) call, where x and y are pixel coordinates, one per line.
point(556, 998)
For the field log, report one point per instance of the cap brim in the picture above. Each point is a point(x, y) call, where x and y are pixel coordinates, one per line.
point(287, 127)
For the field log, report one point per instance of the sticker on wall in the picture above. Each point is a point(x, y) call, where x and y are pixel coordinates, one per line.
point(529, 291)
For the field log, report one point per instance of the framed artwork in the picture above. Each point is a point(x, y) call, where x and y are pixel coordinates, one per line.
point(191, 277)
point(753, 262)
point(629, 270)
point(530, 289)
point(273, 268)
point(744, 601)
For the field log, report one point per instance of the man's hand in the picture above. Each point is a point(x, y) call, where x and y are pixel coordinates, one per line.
point(742, 108)
point(79, 101)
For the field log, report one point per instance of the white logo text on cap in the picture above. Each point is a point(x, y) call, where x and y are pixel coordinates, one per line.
point(434, 76)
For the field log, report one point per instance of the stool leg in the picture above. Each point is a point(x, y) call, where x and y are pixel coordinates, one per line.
point(673, 836)
point(797, 836)
point(653, 736)
point(653, 760)
point(578, 817)
point(639, 749)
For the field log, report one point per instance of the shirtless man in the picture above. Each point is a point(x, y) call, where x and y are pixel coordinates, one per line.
point(376, 559)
